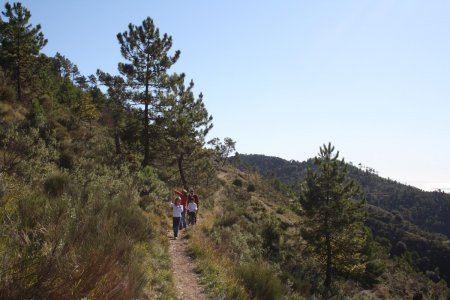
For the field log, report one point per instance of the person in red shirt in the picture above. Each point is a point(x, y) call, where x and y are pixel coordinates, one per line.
point(184, 200)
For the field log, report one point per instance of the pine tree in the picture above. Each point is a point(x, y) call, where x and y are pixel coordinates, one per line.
point(20, 44)
point(186, 123)
point(222, 150)
point(116, 90)
point(335, 219)
point(148, 62)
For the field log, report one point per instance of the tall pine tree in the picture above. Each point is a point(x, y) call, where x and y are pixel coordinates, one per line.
point(20, 44)
point(335, 218)
point(146, 70)
point(186, 124)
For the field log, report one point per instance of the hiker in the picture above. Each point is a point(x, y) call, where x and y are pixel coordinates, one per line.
point(177, 210)
point(194, 197)
point(192, 211)
point(184, 199)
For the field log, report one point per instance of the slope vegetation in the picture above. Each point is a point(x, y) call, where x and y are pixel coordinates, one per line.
point(398, 214)
point(249, 245)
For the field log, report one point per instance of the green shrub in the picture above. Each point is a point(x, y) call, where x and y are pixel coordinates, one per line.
point(95, 227)
point(66, 160)
point(237, 182)
point(229, 218)
point(150, 184)
point(251, 188)
point(56, 184)
point(374, 269)
point(281, 210)
point(271, 235)
point(261, 281)
point(2, 187)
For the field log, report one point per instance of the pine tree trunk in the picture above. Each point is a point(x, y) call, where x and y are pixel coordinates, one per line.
point(328, 270)
point(18, 71)
point(145, 137)
point(180, 168)
point(117, 142)
point(146, 160)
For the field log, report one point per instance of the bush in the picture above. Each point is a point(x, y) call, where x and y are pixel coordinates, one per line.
point(374, 269)
point(399, 249)
point(237, 182)
point(150, 184)
point(2, 187)
point(271, 235)
point(261, 281)
point(251, 188)
point(56, 184)
point(66, 160)
point(281, 210)
point(230, 216)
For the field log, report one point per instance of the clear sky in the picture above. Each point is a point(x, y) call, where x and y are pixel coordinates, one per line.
point(284, 77)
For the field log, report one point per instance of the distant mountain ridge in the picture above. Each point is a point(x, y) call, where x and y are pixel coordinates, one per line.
point(434, 212)
point(396, 211)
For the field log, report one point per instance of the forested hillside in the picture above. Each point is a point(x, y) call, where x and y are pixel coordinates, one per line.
point(88, 163)
point(403, 215)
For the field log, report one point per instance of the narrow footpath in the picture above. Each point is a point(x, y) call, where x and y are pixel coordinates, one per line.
point(183, 266)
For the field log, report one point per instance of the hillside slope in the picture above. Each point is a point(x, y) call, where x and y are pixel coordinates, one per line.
point(397, 212)
point(249, 245)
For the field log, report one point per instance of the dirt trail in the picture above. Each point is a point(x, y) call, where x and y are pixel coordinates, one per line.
point(183, 266)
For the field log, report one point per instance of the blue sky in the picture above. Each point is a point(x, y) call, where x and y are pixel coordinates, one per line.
point(283, 77)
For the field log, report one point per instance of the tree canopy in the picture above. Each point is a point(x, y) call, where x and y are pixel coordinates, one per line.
point(335, 218)
point(20, 44)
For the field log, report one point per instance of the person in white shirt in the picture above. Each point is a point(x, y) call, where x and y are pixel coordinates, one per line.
point(192, 211)
point(177, 210)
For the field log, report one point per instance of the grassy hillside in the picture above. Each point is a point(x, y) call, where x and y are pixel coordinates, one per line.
point(85, 175)
point(397, 213)
point(249, 245)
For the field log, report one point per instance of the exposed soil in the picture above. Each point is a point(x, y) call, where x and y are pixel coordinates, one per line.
point(183, 266)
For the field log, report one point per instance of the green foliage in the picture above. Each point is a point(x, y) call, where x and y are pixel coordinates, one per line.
point(395, 211)
point(271, 235)
point(217, 275)
point(374, 269)
point(334, 226)
point(237, 182)
point(18, 144)
point(20, 44)
point(222, 150)
point(150, 183)
point(6, 90)
point(86, 109)
point(399, 249)
point(151, 188)
point(251, 188)
point(66, 160)
point(2, 187)
point(261, 281)
point(148, 61)
point(56, 184)
point(95, 229)
point(186, 122)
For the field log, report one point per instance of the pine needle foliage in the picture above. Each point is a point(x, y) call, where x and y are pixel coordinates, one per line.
point(334, 223)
